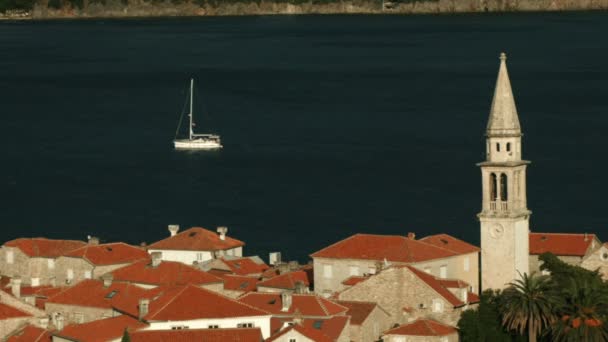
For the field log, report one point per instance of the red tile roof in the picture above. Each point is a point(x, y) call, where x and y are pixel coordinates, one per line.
point(306, 304)
point(286, 280)
point(109, 253)
point(239, 283)
point(331, 327)
point(7, 312)
point(45, 248)
point(30, 333)
point(423, 327)
point(472, 298)
point(197, 239)
point(436, 285)
point(353, 280)
point(380, 247)
point(244, 266)
point(191, 302)
point(101, 330)
point(453, 283)
point(449, 242)
point(561, 244)
point(313, 334)
point(205, 335)
point(358, 311)
point(166, 273)
point(92, 293)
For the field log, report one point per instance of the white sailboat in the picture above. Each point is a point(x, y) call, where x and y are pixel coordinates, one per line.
point(196, 141)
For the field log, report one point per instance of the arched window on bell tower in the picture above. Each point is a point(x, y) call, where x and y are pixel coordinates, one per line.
point(504, 196)
point(493, 187)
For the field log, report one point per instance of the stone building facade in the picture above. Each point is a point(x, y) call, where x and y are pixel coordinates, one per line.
point(368, 321)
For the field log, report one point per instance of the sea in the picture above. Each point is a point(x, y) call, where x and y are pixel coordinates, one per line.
point(331, 124)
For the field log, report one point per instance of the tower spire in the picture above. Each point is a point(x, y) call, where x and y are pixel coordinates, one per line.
point(503, 119)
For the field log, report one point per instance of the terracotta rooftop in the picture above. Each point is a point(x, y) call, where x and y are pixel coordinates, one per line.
point(7, 312)
point(191, 335)
point(244, 266)
point(561, 244)
point(436, 285)
point(45, 248)
point(197, 239)
point(453, 283)
point(380, 247)
point(331, 327)
point(109, 253)
point(30, 333)
point(239, 283)
point(101, 330)
point(353, 280)
point(423, 327)
point(451, 243)
point(305, 304)
point(166, 273)
point(286, 280)
point(312, 334)
point(358, 311)
point(92, 293)
point(191, 302)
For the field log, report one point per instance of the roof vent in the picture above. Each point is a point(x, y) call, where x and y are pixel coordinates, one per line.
point(93, 240)
point(144, 305)
point(107, 279)
point(192, 234)
point(544, 238)
point(156, 258)
point(444, 241)
point(285, 301)
point(411, 236)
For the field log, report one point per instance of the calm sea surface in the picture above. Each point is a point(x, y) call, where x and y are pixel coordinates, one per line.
point(331, 125)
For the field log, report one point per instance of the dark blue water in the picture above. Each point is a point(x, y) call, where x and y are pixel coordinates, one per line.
point(331, 125)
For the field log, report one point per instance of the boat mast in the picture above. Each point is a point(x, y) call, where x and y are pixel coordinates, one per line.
point(190, 115)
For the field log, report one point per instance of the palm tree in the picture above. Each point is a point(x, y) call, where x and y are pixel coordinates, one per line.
point(583, 312)
point(528, 304)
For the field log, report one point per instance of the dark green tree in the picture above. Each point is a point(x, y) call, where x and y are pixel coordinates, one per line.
point(125, 337)
point(528, 305)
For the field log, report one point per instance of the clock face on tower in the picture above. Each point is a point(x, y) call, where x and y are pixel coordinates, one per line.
point(496, 231)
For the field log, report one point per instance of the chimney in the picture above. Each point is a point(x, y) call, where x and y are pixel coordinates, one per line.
point(144, 305)
point(44, 323)
point(60, 322)
point(274, 258)
point(411, 236)
point(173, 229)
point(586, 237)
point(16, 286)
point(222, 231)
point(285, 301)
point(107, 279)
point(93, 240)
point(156, 258)
point(300, 287)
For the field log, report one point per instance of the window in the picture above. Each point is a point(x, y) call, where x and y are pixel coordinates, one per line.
point(503, 187)
point(244, 325)
point(497, 147)
point(70, 274)
point(493, 187)
point(604, 256)
point(51, 264)
point(467, 264)
point(199, 256)
point(327, 271)
point(214, 326)
point(437, 305)
point(508, 147)
point(87, 274)
point(292, 340)
point(111, 294)
point(317, 325)
point(10, 257)
point(179, 327)
point(353, 270)
point(443, 271)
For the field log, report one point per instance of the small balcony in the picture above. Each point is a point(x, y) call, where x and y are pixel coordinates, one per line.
point(501, 206)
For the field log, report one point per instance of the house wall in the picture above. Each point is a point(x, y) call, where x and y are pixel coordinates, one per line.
point(26, 267)
point(372, 328)
point(410, 338)
point(7, 326)
point(189, 257)
point(292, 334)
point(98, 271)
point(397, 288)
point(262, 322)
point(597, 260)
point(71, 313)
point(78, 266)
point(455, 268)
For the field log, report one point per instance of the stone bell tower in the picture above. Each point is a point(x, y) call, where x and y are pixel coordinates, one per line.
point(504, 216)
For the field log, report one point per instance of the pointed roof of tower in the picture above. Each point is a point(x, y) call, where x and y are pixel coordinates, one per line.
point(503, 113)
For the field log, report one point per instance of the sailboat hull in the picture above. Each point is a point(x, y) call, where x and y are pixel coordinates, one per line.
point(197, 144)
